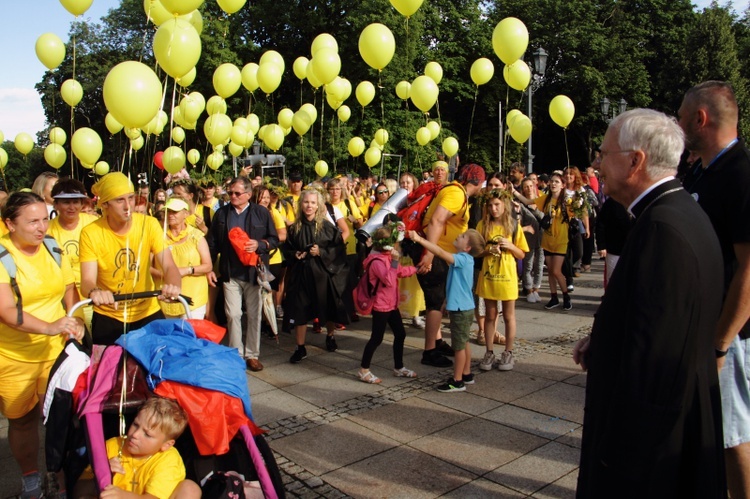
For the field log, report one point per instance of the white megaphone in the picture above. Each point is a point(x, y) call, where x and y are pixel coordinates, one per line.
point(394, 204)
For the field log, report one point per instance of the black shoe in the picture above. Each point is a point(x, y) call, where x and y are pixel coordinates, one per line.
point(552, 303)
point(468, 379)
point(299, 354)
point(452, 386)
point(566, 303)
point(444, 348)
point(435, 359)
point(331, 345)
point(355, 318)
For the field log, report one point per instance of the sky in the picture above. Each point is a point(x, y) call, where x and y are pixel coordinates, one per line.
point(24, 21)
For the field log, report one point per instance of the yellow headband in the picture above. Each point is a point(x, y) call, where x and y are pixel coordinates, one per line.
point(112, 186)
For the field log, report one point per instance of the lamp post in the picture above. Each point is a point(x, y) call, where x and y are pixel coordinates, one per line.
point(609, 113)
point(537, 79)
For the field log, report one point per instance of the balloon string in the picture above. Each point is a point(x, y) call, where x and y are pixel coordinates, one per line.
point(322, 122)
point(471, 121)
point(567, 152)
point(74, 55)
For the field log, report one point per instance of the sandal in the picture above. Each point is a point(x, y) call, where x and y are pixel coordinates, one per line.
point(480, 338)
point(368, 377)
point(499, 339)
point(404, 373)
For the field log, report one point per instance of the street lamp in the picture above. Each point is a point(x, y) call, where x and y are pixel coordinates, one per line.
point(604, 106)
point(537, 79)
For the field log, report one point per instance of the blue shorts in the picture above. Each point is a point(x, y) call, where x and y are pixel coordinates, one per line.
point(734, 380)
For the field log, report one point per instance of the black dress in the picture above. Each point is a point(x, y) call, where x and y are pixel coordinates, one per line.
point(315, 284)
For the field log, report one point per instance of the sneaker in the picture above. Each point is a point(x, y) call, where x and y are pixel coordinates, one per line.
point(468, 379)
point(31, 486)
point(331, 345)
point(537, 297)
point(418, 322)
point(279, 312)
point(452, 386)
point(487, 361)
point(299, 354)
point(571, 288)
point(506, 361)
point(566, 303)
point(339, 327)
point(435, 359)
point(531, 298)
point(552, 303)
point(444, 348)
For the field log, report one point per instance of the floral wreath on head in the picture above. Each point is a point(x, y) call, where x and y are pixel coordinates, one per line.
point(398, 231)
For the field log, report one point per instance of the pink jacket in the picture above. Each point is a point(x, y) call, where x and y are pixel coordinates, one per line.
point(385, 274)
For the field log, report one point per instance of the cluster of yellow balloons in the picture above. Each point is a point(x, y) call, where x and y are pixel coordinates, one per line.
point(428, 133)
point(510, 39)
point(54, 153)
point(519, 126)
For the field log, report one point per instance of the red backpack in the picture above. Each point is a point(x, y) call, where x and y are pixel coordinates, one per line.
point(417, 204)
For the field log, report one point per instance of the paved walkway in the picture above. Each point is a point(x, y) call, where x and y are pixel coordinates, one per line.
point(512, 434)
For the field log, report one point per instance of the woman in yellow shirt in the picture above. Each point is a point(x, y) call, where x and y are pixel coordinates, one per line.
point(31, 338)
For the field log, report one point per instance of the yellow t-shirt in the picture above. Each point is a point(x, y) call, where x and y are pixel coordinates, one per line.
point(554, 239)
point(124, 262)
point(69, 241)
point(455, 200)
point(42, 283)
point(278, 223)
point(157, 475)
point(498, 279)
point(351, 241)
point(185, 254)
point(3, 228)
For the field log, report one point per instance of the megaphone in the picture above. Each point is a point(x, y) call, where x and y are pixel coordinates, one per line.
point(394, 204)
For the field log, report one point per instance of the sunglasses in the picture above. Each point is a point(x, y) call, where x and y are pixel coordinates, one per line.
point(236, 193)
point(381, 192)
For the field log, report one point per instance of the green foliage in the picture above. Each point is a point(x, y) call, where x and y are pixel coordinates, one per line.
point(21, 170)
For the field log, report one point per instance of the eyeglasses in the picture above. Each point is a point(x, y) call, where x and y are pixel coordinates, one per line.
point(236, 193)
point(381, 192)
point(603, 153)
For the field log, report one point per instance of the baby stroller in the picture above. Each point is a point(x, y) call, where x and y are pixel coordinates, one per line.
point(93, 395)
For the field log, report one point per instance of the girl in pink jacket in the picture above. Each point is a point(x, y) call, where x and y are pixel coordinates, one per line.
point(383, 270)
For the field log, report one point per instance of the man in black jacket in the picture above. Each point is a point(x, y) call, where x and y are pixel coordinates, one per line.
point(240, 280)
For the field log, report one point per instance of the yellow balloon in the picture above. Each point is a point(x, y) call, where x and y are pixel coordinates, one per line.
point(300, 67)
point(326, 63)
point(344, 88)
point(512, 115)
point(57, 136)
point(86, 145)
point(374, 144)
point(253, 122)
point(337, 89)
point(434, 128)
point(227, 80)
point(137, 143)
point(132, 93)
point(24, 143)
point(101, 168)
point(517, 75)
point(71, 92)
point(181, 7)
point(301, 122)
point(377, 45)
point(195, 19)
point(423, 136)
point(217, 128)
point(235, 149)
point(178, 135)
point(262, 131)
point(273, 57)
point(177, 47)
point(482, 71)
point(562, 110)
point(510, 39)
point(76, 7)
point(406, 8)
point(3, 158)
point(381, 136)
point(521, 129)
point(321, 168)
point(132, 133)
point(173, 159)
point(188, 79)
point(450, 146)
point(285, 117)
point(344, 113)
point(231, 6)
point(365, 93)
point(335, 104)
point(356, 146)
point(50, 50)
point(424, 93)
point(193, 156)
point(2, 137)
point(55, 155)
point(435, 71)
point(372, 156)
point(250, 76)
point(216, 105)
point(310, 109)
point(402, 90)
point(239, 135)
point(274, 137)
point(156, 12)
point(112, 124)
point(215, 160)
point(324, 41)
point(269, 77)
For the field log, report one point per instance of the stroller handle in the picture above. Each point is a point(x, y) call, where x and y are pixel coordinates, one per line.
point(186, 301)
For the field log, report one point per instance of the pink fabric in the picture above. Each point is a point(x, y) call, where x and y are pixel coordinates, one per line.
point(594, 183)
point(260, 465)
point(386, 297)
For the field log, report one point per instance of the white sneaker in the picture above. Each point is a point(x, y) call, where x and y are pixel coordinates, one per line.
point(506, 361)
point(531, 298)
point(279, 311)
point(537, 297)
point(418, 322)
point(487, 362)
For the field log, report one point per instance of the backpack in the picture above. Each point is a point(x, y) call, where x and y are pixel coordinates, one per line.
point(6, 259)
point(418, 202)
point(364, 292)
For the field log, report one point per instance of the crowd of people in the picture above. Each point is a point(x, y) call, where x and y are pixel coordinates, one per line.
point(482, 243)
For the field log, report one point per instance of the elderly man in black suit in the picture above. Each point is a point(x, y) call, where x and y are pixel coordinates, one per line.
point(652, 420)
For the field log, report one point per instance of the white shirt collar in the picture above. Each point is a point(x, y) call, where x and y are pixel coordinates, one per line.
point(643, 194)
